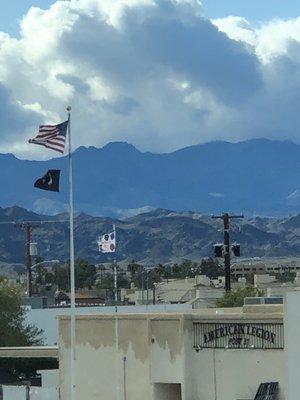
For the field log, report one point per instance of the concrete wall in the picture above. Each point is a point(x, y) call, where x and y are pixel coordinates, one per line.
point(47, 319)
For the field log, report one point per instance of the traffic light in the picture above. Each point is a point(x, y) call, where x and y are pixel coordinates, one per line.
point(236, 249)
point(218, 250)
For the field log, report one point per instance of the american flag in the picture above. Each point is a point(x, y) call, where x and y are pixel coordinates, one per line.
point(52, 136)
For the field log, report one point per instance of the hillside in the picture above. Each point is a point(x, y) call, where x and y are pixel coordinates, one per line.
point(256, 177)
point(153, 237)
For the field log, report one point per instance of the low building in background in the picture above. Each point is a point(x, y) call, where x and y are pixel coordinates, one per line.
point(200, 288)
point(264, 265)
point(44, 386)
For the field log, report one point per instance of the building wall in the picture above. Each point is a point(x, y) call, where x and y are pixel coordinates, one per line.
point(235, 374)
point(167, 355)
point(152, 356)
point(104, 361)
point(14, 392)
point(292, 349)
point(47, 318)
point(35, 393)
point(229, 374)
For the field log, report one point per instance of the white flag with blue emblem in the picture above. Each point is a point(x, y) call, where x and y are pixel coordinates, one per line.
point(107, 242)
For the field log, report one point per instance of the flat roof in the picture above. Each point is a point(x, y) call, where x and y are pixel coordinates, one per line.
point(29, 352)
point(260, 313)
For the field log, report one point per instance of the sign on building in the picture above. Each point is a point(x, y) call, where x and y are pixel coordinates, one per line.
point(238, 335)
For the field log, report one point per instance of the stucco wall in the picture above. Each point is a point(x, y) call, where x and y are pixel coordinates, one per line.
point(229, 374)
point(106, 366)
point(47, 318)
point(235, 374)
point(167, 357)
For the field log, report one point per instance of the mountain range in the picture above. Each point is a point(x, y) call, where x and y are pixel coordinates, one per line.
point(156, 236)
point(256, 177)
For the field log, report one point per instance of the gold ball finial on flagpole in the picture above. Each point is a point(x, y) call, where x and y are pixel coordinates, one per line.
point(69, 108)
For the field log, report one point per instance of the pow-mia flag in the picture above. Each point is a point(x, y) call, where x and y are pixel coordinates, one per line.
point(50, 181)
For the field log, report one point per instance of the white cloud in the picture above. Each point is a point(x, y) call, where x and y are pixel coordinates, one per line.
point(237, 28)
point(216, 194)
point(269, 40)
point(153, 72)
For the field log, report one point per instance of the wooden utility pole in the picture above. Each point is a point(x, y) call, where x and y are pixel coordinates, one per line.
point(28, 227)
point(226, 247)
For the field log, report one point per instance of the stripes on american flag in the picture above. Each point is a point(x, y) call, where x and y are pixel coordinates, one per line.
point(52, 136)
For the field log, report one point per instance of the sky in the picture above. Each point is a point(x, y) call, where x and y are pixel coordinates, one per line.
point(160, 74)
point(254, 10)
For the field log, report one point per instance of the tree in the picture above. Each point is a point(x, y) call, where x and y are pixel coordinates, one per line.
point(211, 268)
point(287, 276)
point(62, 277)
point(235, 298)
point(13, 330)
point(85, 274)
point(133, 269)
point(106, 282)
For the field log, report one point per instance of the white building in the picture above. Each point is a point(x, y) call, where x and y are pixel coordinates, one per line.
point(46, 319)
point(210, 354)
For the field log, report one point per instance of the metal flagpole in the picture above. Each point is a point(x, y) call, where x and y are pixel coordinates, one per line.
point(115, 270)
point(72, 268)
point(116, 320)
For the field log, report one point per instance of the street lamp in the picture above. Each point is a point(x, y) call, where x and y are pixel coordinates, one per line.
point(41, 263)
point(45, 262)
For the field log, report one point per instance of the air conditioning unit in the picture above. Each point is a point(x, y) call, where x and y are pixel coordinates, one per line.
point(263, 300)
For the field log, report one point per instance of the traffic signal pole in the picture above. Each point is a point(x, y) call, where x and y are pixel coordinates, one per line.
point(227, 253)
point(226, 222)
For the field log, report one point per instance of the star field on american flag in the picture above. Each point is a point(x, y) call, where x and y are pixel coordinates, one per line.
point(52, 136)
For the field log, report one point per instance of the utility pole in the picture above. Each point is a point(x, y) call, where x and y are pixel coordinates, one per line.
point(142, 275)
point(116, 281)
point(226, 246)
point(28, 227)
point(147, 285)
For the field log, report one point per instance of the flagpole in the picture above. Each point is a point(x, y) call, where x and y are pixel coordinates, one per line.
point(115, 270)
point(72, 268)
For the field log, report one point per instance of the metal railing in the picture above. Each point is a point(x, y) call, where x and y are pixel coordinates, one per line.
point(238, 335)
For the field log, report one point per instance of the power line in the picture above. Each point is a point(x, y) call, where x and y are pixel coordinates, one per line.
point(45, 221)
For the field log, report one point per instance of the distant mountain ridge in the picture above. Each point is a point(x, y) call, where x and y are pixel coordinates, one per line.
point(257, 177)
point(150, 238)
